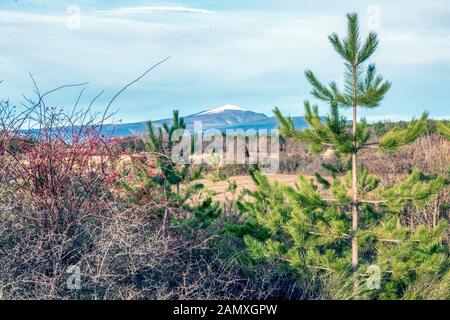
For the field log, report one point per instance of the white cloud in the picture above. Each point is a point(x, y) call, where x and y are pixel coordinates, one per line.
point(20, 17)
point(151, 9)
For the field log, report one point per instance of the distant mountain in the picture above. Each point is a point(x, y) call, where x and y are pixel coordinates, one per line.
point(222, 118)
point(269, 123)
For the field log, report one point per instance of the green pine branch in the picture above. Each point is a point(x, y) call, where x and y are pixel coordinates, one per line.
point(417, 190)
point(443, 129)
point(397, 137)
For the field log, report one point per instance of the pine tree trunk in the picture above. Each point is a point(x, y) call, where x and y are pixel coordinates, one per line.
point(355, 214)
point(355, 211)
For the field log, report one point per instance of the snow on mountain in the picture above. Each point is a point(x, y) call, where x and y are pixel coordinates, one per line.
point(222, 109)
point(224, 116)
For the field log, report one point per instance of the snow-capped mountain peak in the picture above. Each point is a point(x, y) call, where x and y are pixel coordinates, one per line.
point(222, 109)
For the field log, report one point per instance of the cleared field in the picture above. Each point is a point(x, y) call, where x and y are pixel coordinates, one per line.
point(244, 182)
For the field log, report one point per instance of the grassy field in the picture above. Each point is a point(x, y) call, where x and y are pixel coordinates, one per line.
point(220, 188)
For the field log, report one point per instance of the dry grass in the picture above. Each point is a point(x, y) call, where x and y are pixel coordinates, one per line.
point(220, 188)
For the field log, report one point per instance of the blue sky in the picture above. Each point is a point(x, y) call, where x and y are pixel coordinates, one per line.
point(248, 53)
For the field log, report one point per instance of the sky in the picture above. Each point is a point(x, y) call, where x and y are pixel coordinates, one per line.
point(249, 53)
